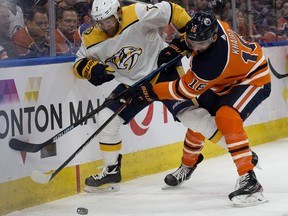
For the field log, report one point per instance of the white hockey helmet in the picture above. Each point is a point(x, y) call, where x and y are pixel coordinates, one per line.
point(102, 9)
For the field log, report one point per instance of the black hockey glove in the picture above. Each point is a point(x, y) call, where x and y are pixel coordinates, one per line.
point(141, 94)
point(170, 52)
point(100, 74)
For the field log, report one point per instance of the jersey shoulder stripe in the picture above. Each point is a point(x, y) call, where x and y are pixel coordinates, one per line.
point(94, 35)
point(129, 16)
point(179, 17)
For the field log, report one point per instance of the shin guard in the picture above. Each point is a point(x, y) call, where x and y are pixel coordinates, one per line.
point(229, 122)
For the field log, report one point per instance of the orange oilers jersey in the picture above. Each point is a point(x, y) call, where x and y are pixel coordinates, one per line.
point(64, 46)
point(230, 62)
point(26, 46)
point(22, 41)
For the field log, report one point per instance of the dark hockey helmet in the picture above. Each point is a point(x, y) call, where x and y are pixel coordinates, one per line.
point(201, 27)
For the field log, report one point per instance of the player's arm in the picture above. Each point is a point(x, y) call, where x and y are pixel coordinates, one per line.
point(162, 14)
point(179, 17)
point(185, 88)
point(180, 89)
point(92, 70)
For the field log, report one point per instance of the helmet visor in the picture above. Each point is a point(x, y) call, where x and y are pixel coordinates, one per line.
point(198, 45)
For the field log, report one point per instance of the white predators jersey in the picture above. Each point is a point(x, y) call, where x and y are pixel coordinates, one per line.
point(134, 50)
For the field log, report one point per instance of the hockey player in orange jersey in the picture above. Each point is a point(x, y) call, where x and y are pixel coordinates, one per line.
point(124, 43)
point(230, 78)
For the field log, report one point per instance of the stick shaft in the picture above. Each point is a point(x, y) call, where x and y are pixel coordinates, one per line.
point(19, 145)
point(154, 73)
point(89, 139)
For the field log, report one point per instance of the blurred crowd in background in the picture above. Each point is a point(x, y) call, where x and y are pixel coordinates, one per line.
point(38, 28)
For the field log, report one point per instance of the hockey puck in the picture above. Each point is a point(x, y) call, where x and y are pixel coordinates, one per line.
point(82, 211)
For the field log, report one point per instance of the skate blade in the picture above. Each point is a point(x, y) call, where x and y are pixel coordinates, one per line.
point(249, 200)
point(103, 189)
point(167, 187)
point(258, 166)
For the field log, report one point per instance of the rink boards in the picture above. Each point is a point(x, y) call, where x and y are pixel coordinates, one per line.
point(39, 98)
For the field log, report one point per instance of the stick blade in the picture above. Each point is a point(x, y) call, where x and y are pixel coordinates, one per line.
point(40, 177)
point(19, 145)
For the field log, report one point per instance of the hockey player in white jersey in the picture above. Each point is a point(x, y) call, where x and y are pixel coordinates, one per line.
point(124, 44)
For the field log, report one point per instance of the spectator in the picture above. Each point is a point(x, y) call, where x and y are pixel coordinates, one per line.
point(216, 6)
point(278, 7)
point(85, 25)
point(241, 5)
point(26, 5)
point(31, 41)
point(274, 35)
point(242, 24)
point(282, 20)
point(198, 5)
point(281, 23)
point(243, 27)
point(67, 42)
point(222, 10)
point(187, 4)
point(6, 45)
point(82, 9)
point(268, 37)
point(261, 16)
point(227, 13)
point(15, 15)
point(86, 22)
point(284, 10)
point(66, 3)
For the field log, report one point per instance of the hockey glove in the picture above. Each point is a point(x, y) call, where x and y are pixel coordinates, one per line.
point(141, 94)
point(170, 52)
point(100, 74)
point(95, 72)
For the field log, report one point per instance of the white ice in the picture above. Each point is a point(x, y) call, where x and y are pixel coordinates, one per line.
point(205, 194)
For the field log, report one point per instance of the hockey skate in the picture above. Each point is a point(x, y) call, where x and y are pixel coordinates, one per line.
point(183, 173)
point(248, 191)
point(107, 180)
point(255, 160)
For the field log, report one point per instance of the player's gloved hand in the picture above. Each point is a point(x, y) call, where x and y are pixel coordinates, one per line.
point(100, 74)
point(170, 52)
point(141, 94)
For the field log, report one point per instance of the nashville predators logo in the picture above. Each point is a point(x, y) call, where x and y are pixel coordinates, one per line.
point(125, 58)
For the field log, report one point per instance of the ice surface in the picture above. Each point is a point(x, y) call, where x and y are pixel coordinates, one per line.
point(205, 194)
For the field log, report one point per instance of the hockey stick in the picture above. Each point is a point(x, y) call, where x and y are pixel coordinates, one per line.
point(43, 178)
point(19, 145)
point(276, 74)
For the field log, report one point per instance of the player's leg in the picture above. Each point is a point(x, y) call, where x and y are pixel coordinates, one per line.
point(191, 157)
point(110, 145)
point(234, 108)
point(194, 117)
